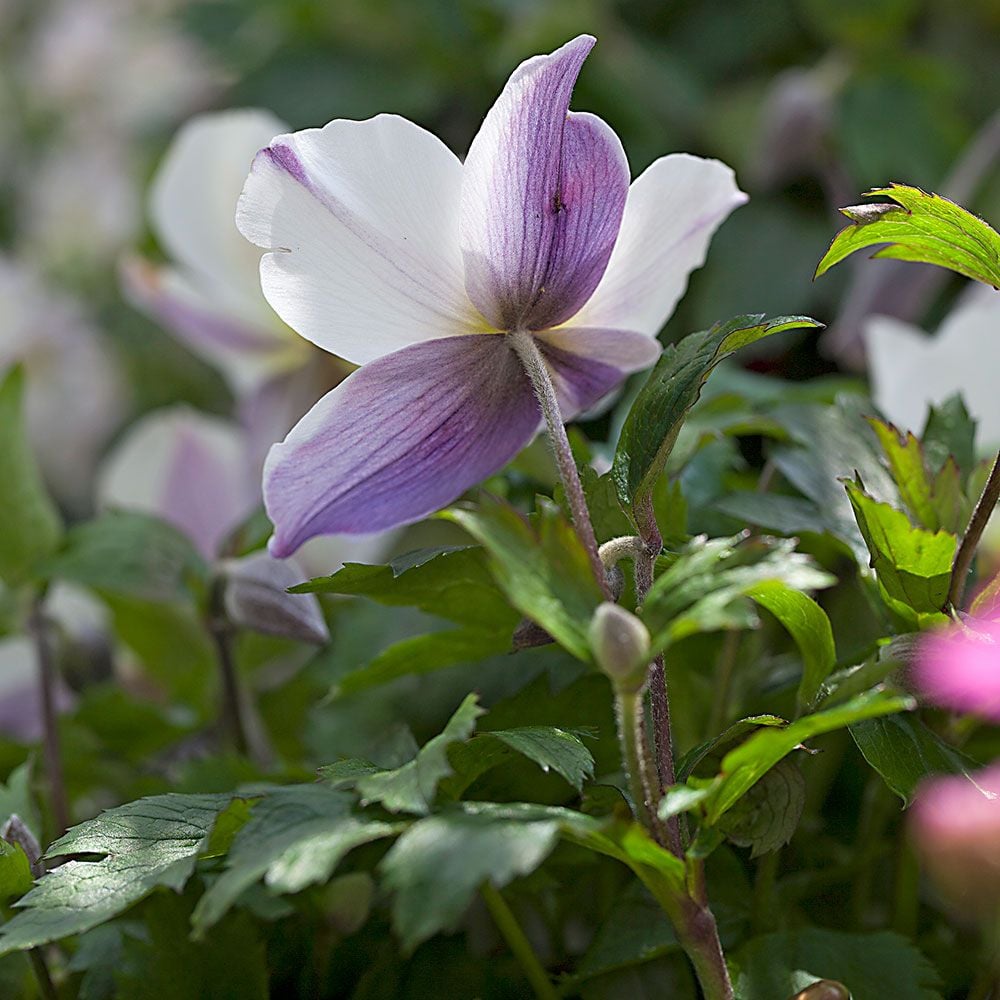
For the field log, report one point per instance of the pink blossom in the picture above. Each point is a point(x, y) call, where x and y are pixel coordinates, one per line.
point(959, 668)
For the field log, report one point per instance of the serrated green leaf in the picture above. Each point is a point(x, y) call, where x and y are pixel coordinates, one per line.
point(920, 227)
point(872, 966)
point(542, 567)
point(743, 767)
point(673, 387)
point(125, 552)
point(912, 565)
point(145, 844)
point(807, 623)
point(904, 751)
point(708, 585)
point(436, 867)
point(412, 788)
point(905, 457)
point(296, 837)
point(950, 433)
point(31, 523)
point(765, 818)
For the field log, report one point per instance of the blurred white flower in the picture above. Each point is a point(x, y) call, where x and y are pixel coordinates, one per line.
point(75, 395)
point(195, 472)
point(911, 371)
point(210, 294)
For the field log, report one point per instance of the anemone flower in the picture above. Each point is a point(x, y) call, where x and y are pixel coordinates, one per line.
point(911, 371)
point(444, 280)
point(959, 668)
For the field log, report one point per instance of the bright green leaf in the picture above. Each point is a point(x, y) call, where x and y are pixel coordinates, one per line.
point(412, 788)
point(541, 566)
point(950, 432)
point(145, 844)
point(912, 565)
point(920, 227)
point(31, 523)
point(807, 623)
point(673, 387)
point(904, 751)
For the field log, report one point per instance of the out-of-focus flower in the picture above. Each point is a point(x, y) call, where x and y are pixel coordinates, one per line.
point(388, 251)
point(195, 472)
point(117, 61)
point(75, 395)
point(209, 295)
point(955, 826)
point(959, 668)
point(911, 371)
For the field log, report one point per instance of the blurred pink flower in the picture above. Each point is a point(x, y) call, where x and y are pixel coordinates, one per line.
point(955, 827)
point(959, 668)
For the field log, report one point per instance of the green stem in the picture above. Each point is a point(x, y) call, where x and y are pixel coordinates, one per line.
point(518, 942)
point(764, 908)
point(628, 710)
point(906, 891)
point(699, 937)
point(970, 540)
point(537, 371)
point(44, 978)
point(723, 684)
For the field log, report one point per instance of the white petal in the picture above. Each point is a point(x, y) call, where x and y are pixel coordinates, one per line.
point(673, 209)
point(193, 204)
point(363, 218)
point(911, 371)
point(185, 467)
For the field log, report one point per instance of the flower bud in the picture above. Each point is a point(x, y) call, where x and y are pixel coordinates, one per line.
point(824, 989)
point(256, 598)
point(620, 643)
point(959, 668)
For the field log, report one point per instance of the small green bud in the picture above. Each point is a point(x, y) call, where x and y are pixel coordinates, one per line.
point(620, 643)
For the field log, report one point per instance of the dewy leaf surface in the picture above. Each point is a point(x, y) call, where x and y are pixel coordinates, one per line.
point(673, 387)
point(920, 227)
point(145, 844)
point(29, 522)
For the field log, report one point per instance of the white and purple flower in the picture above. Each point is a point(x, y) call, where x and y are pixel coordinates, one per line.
point(384, 248)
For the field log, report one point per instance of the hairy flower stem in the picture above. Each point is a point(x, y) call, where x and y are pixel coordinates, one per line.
point(38, 628)
point(628, 714)
point(970, 540)
point(535, 368)
point(518, 942)
point(645, 559)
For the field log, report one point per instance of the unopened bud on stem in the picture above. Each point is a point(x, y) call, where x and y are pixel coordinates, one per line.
point(620, 643)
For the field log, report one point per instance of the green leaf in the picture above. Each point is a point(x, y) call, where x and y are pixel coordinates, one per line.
point(412, 788)
point(904, 751)
point(124, 552)
point(15, 871)
point(436, 867)
point(145, 844)
point(31, 523)
point(706, 588)
point(872, 966)
point(541, 566)
point(905, 456)
point(551, 748)
point(743, 767)
point(920, 227)
point(767, 816)
point(784, 515)
point(807, 623)
point(950, 433)
point(687, 764)
point(673, 387)
point(912, 565)
point(296, 837)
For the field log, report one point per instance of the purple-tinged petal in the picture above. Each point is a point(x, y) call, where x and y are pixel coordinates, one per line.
point(399, 439)
point(586, 364)
point(542, 197)
point(673, 209)
point(361, 221)
point(959, 668)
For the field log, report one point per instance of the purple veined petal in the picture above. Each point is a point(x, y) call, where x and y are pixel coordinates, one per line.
point(361, 221)
point(186, 468)
point(399, 439)
point(248, 349)
point(587, 363)
point(673, 209)
point(542, 197)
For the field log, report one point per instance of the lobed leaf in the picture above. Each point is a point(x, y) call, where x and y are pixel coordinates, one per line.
point(672, 389)
point(920, 227)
